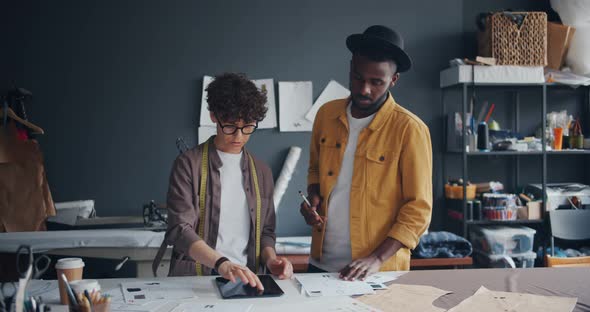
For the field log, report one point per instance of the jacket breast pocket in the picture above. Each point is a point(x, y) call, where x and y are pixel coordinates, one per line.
point(382, 169)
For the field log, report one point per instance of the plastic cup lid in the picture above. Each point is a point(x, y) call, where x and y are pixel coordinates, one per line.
point(80, 285)
point(69, 263)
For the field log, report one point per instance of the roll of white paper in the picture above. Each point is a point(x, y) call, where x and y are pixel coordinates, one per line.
point(286, 174)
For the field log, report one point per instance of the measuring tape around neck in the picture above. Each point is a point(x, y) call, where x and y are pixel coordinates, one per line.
point(203, 190)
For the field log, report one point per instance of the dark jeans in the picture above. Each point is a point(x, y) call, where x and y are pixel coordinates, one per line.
point(314, 269)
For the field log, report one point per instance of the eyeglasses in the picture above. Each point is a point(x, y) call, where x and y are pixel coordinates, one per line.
point(231, 129)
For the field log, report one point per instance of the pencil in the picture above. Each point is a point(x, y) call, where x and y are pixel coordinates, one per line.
point(490, 112)
point(307, 202)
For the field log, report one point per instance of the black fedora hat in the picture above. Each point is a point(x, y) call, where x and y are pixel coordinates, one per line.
point(384, 39)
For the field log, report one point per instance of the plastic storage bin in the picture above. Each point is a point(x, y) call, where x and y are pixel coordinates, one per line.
point(502, 240)
point(523, 260)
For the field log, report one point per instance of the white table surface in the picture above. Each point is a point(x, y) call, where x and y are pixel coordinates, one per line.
point(292, 300)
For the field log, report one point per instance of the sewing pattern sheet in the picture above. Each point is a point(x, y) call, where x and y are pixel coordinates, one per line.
point(485, 300)
point(409, 298)
point(329, 284)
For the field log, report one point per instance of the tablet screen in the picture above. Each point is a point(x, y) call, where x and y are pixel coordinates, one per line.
point(237, 290)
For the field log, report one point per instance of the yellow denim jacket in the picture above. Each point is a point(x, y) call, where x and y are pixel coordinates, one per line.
point(391, 192)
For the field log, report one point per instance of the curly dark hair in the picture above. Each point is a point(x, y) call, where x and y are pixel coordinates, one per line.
point(232, 96)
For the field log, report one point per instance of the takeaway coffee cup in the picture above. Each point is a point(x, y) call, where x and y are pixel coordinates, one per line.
point(72, 268)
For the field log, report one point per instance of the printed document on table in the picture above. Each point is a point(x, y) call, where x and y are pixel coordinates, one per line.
point(329, 284)
point(140, 292)
point(212, 307)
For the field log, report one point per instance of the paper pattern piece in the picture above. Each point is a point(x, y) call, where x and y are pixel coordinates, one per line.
point(407, 298)
point(142, 292)
point(212, 307)
point(329, 284)
point(295, 100)
point(384, 277)
point(270, 120)
point(333, 91)
point(485, 300)
point(329, 304)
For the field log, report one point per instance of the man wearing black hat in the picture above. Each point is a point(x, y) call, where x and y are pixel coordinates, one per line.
point(370, 168)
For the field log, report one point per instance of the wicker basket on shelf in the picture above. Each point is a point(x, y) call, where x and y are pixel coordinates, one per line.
point(515, 38)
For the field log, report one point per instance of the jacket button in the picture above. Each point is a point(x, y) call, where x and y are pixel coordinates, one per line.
point(247, 189)
point(330, 173)
point(251, 209)
point(319, 230)
point(381, 158)
point(338, 145)
point(323, 140)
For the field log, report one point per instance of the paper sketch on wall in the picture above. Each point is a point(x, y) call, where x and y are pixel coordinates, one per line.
point(333, 91)
point(206, 132)
point(270, 121)
point(295, 100)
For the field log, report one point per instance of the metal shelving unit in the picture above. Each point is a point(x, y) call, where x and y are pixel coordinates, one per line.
point(515, 88)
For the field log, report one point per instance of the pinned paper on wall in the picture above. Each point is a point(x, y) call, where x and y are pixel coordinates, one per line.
point(333, 91)
point(205, 119)
point(295, 100)
point(206, 132)
point(269, 121)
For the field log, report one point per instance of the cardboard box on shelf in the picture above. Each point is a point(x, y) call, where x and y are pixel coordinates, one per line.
point(559, 37)
point(532, 211)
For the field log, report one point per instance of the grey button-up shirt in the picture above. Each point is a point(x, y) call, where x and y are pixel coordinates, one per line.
point(183, 207)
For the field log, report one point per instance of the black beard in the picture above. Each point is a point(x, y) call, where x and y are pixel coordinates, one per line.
point(374, 107)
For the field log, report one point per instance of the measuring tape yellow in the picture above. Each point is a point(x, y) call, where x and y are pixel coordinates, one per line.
point(203, 190)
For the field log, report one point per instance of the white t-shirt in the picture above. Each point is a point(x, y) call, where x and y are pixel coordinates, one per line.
point(234, 218)
point(336, 253)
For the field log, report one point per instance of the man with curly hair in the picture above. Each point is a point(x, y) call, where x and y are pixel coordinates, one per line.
point(370, 167)
point(221, 217)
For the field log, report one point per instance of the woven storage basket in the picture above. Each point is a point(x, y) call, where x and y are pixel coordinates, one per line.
point(513, 45)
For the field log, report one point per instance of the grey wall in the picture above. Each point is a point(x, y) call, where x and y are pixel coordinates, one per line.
point(11, 34)
point(116, 82)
